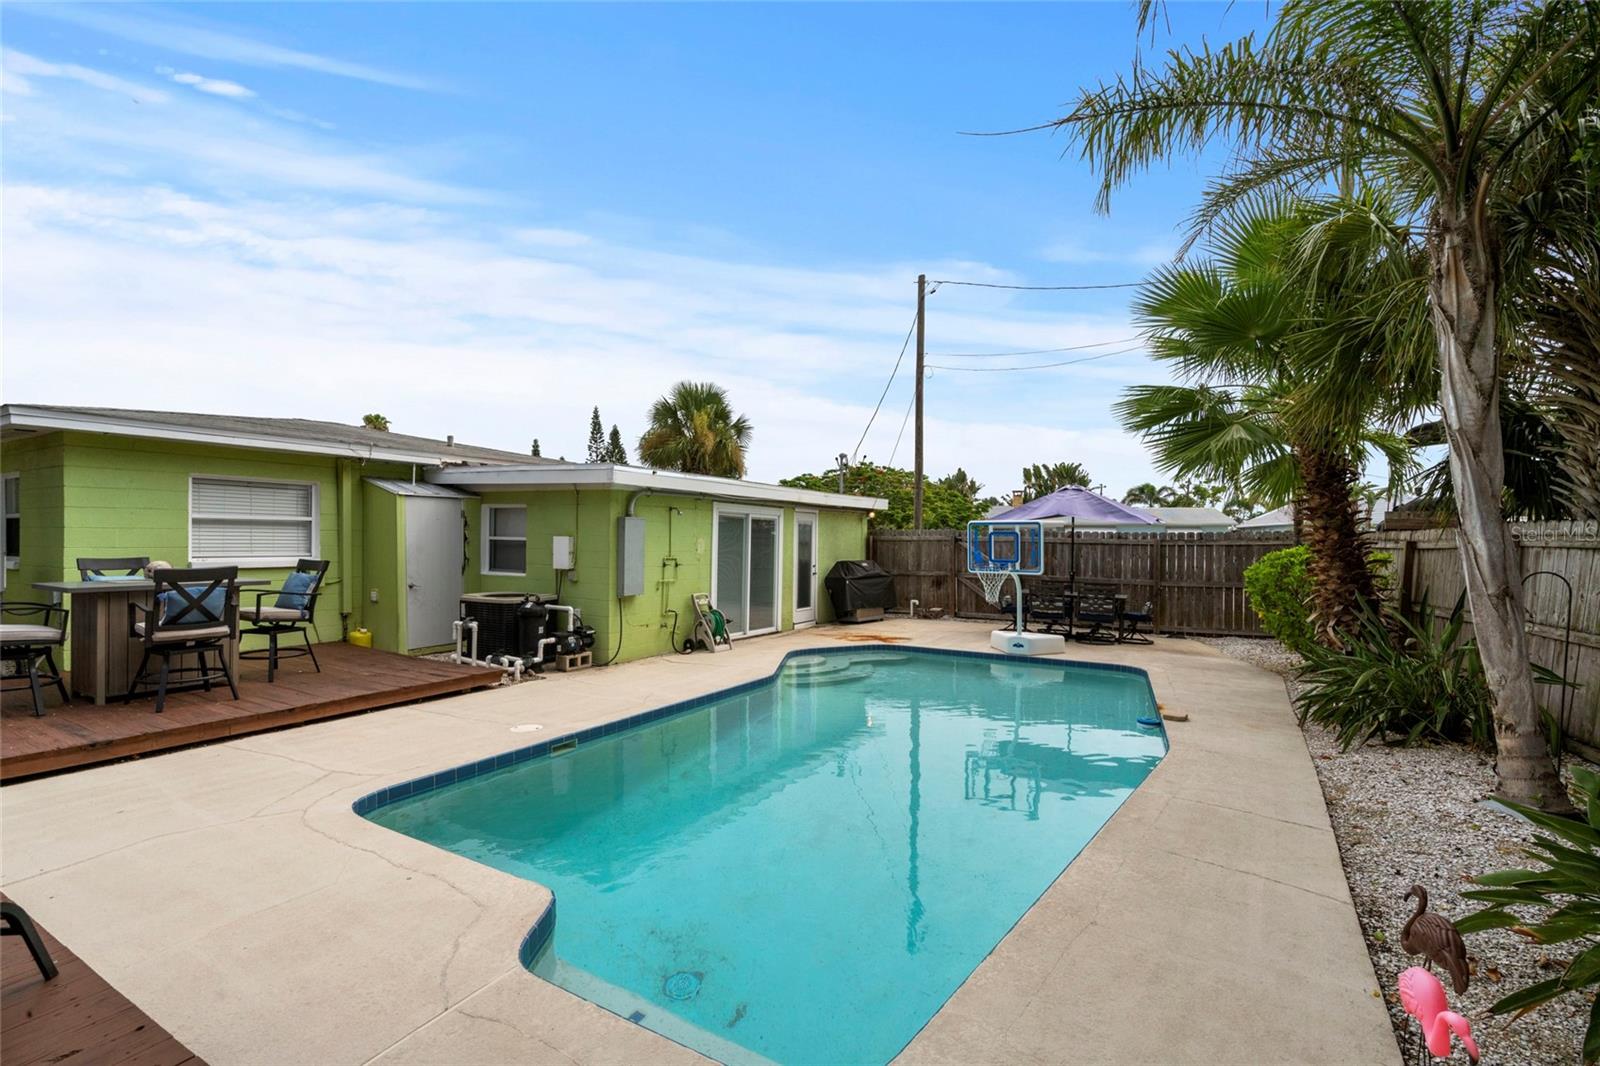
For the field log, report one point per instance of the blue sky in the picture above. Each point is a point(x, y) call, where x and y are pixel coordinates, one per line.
point(486, 219)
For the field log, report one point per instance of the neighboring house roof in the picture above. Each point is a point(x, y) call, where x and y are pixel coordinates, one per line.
point(1282, 518)
point(1190, 517)
point(610, 475)
point(249, 431)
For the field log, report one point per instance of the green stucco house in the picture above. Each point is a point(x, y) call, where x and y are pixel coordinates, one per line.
point(410, 524)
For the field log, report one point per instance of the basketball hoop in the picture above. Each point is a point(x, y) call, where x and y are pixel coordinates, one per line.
point(997, 552)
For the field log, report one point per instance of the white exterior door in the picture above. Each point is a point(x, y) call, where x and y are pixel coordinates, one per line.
point(434, 581)
point(805, 568)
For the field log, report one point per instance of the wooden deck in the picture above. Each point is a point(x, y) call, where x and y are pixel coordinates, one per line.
point(352, 679)
point(76, 1017)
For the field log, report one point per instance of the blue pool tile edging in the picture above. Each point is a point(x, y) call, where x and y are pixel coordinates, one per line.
point(417, 786)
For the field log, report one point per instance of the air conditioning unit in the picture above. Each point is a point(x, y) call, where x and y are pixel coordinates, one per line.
point(509, 623)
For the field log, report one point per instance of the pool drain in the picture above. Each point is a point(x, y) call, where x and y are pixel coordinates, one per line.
point(684, 984)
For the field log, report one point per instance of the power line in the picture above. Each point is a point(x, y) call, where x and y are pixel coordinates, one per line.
point(898, 359)
point(1041, 288)
point(1036, 366)
point(1034, 351)
point(893, 452)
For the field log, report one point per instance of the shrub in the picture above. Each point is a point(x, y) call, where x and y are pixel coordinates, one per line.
point(1279, 587)
point(1566, 895)
point(1396, 677)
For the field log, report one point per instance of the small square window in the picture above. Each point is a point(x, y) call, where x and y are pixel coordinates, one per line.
point(505, 540)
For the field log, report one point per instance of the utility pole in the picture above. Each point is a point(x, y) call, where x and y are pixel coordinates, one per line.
point(844, 463)
point(922, 327)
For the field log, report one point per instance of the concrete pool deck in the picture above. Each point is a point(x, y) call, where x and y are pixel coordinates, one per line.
point(232, 894)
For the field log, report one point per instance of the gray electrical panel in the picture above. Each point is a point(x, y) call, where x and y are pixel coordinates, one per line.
point(630, 556)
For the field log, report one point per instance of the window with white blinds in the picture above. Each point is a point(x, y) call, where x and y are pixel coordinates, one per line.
point(266, 522)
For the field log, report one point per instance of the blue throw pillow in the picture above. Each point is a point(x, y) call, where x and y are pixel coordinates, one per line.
point(115, 577)
point(172, 603)
point(295, 589)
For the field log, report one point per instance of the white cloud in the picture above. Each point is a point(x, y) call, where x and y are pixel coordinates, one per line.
point(208, 141)
point(214, 86)
point(20, 66)
point(499, 341)
point(210, 41)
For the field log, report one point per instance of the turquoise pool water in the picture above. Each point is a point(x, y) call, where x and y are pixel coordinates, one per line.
point(804, 871)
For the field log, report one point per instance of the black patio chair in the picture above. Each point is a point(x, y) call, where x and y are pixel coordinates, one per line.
point(14, 921)
point(1128, 631)
point(90, 569)
point(295, 608)
point(1099, 608)
point(29, 635)
point(1050, 608)
point(191, 612)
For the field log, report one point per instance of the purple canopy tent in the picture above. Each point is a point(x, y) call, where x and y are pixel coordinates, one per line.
point(1072, 504)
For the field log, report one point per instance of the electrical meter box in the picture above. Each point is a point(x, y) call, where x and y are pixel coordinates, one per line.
point(630, 556)
point(561, 553)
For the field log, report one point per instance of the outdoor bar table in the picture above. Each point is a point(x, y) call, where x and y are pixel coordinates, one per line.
point(105, 653)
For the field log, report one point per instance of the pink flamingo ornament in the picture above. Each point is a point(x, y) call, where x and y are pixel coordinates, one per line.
point(1423, 998)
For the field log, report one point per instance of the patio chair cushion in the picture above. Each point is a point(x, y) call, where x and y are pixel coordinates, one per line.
point(173, 604)
point(273, 614)
point(183, 632)
point(114, 577)
point(295, 588)
point(21, 633)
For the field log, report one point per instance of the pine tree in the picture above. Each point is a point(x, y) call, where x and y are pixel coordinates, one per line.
point(597, 439)
point(536, 447)
point(616, 451)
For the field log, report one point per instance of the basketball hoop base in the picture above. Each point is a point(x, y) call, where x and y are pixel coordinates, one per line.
point(1014, 643)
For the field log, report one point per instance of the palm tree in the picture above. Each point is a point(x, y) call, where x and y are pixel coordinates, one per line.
point(375, 421)
point(1041, 479)
point(1448, 102)
point(693, 429)
point(1147, 494)
point(1284, 389)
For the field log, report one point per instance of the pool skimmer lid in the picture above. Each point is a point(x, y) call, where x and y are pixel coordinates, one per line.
point(682, 985)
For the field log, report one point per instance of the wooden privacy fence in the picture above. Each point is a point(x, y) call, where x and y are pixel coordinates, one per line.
point(1427, 564)
point(1194, 581)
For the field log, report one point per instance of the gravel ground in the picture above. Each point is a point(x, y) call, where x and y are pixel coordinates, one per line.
point(1407, 816)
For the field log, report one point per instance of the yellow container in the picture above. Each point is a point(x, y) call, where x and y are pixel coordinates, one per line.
point(361, 638)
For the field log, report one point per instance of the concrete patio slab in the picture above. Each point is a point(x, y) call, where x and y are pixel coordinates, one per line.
point(231, 892)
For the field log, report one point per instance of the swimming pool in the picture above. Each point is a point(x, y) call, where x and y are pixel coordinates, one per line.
point(802, 869)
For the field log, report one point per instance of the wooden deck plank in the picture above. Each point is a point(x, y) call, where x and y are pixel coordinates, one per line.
point(352, 680)
point(75, 1018)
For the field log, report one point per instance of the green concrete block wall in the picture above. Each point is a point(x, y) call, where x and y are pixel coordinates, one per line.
point(586, 516)
point(678, 562)
point(40, 463)
point(382, 548)
point(89, 494)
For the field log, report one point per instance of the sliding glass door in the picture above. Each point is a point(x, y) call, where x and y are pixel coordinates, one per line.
point(747, 569)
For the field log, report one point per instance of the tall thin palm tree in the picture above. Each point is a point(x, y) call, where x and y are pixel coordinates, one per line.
point(1446, 101)
point(693, 429)
point(1275, 396)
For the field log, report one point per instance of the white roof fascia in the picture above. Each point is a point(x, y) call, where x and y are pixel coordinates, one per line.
point(607, 475)
point(29, 418)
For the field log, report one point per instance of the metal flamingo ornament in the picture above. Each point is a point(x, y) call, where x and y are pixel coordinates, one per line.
point(1423, 998)
point(1435, 938)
